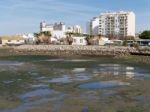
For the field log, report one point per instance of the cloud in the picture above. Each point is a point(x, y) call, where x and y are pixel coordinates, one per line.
point(27, 12)
point(25, 15)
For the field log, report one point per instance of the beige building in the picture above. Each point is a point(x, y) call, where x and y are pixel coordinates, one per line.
point(12, 40)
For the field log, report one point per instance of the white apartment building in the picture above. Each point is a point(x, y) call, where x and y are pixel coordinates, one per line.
point(114, 24)
point(93, 26)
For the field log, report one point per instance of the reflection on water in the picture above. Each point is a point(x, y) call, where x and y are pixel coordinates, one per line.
point(79, 69)
point(39, 86)
point(79, 60)
point(64, 79)
point(9, 63)
point(69, 60)
point(103, 84)
point(129, 68)
point(145, 75)
point(108, 92)
point(8, 82)
point(117, 69)
point(38, 92)
point(35, 83)
point(55, 60)
point(68, 79)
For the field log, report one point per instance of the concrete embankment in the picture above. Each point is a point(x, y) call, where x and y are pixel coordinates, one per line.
point(74, 50)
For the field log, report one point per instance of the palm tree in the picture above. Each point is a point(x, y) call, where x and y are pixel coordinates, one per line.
point(99, 36)
point(46, 37)
point(36, 35)
point(69, 38)
point(43, 37)
point(89, 39)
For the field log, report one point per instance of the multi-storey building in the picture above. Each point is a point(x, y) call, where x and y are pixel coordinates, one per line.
point(93, 26)
point(114, 24)
point(74, 29)
point(58, 30)
point(52, 27)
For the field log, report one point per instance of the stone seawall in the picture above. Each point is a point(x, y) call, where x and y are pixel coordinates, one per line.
point(74, 50)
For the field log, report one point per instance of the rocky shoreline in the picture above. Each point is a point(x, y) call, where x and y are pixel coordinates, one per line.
point(75, 50)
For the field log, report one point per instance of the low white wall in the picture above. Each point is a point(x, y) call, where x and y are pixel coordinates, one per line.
point(79, 41)
point(4, 42)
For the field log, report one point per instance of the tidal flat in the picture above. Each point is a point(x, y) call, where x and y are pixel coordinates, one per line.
point(31, 83)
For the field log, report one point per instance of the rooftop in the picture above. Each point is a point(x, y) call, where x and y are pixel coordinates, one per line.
point(11, 38)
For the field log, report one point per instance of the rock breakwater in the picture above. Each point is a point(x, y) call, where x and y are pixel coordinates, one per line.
point(74, 50)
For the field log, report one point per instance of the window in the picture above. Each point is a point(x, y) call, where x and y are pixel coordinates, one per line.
point(74, 40)
point(81, 40)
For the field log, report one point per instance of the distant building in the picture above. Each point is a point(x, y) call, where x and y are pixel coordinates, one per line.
point(93, 26)
point(12, 40)
point(77, 29)
point(100, 41)
point(59, 27)
point(46, 27)
point(29, 38)
point(79, 41)
point(58, 30)
point(69, 29)
point(113, 25)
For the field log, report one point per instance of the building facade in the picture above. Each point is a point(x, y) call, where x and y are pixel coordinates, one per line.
point(12, 40)
point(74, 29)
point(29, 38)
point(94, 26)
point(79, 41)
point(114, 25)
point(59, 30)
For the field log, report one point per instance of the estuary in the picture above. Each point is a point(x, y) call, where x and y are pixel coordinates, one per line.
point(79, 84)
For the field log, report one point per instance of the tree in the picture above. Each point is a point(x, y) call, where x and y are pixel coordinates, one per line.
point(46, 37)
point(100, 36)
point(69, 38)
point(129, 38)
point(36, 35)
point(43, 37)
point(111, 36)
point(145, 35)
point(89, 39)
point(125, 43)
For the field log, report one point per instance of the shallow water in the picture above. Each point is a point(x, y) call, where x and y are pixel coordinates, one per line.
point(9, 63)
point(103, 84)
point(68, 79)
point(30, 84)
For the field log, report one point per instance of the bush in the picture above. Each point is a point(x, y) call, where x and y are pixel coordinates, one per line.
point(125, 43)
point(145, 35)
point(136, 45)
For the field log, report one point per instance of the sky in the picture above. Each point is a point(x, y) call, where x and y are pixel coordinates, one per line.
point(24, 16)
